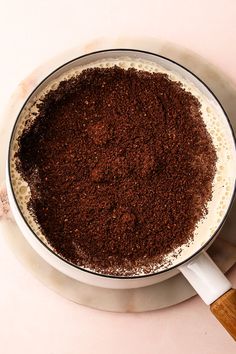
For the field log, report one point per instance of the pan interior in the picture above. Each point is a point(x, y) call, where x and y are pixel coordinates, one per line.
point(214, 118)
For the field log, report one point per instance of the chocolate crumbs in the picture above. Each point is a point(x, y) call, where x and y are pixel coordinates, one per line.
point(120, 166)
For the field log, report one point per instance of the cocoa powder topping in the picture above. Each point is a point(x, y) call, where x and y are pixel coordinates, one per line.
point(120, 167)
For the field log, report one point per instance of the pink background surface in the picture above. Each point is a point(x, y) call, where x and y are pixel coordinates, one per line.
point(33, 318)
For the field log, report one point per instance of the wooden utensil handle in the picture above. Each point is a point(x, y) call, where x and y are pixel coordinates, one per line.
point(224, 309)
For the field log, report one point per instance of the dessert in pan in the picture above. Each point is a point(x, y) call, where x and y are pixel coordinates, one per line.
point(122, 168)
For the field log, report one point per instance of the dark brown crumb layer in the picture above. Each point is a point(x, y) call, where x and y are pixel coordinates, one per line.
point(120, 166)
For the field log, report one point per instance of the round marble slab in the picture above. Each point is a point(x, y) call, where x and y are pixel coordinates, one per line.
point(166, 293)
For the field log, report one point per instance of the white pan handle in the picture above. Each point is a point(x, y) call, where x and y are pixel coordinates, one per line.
point(214, 288)
point(205, 277)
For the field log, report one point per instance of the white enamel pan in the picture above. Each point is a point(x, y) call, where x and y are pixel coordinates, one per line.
point(194, 262)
